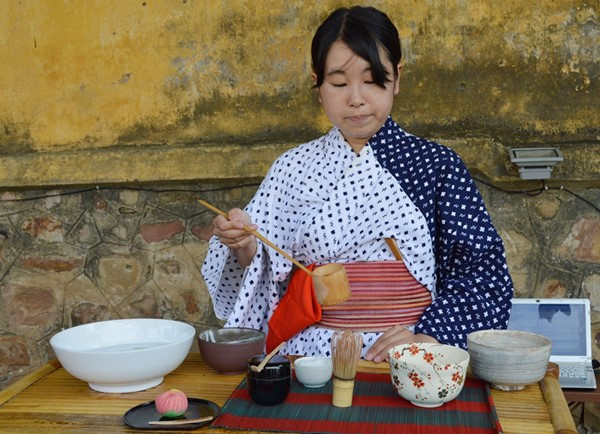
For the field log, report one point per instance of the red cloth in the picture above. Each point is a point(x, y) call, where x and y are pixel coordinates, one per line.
point(297, 309)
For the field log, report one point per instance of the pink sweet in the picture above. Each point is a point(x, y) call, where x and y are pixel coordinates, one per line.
point(171, 403)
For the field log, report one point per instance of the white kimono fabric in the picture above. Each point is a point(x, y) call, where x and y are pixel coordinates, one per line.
point(322, 203)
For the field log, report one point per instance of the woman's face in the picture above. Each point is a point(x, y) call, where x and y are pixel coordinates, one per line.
point(352, 101)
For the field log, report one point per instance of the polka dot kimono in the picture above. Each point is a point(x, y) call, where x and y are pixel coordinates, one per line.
point(324, 203)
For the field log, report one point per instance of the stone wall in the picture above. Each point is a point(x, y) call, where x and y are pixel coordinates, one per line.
point(78, 257)
point(104, 254)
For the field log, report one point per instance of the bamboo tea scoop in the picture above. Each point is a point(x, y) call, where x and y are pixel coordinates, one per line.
point(262, 364)
point(330, 281)
point(181, 421)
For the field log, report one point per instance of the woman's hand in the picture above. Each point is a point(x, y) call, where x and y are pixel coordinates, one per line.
point(232, 234)
point(395, 335)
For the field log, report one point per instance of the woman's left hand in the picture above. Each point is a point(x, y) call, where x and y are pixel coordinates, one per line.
point(395, 335)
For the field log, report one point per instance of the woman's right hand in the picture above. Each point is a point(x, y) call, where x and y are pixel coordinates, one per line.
point(232, 234)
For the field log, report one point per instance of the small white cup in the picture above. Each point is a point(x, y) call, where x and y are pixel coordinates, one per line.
point(313, 371)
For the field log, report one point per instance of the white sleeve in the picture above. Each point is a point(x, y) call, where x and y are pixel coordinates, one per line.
point(247, 296)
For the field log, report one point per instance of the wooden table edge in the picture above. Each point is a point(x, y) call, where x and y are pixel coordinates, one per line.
point(560, 415)
point(23, 383)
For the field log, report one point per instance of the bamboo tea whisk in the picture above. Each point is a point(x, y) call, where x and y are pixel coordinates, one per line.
point(346, 347)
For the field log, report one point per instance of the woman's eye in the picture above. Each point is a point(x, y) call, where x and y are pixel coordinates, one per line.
point(338, 84)
point(369, 82)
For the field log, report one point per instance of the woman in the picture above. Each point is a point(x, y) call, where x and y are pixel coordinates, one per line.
point(338, 198)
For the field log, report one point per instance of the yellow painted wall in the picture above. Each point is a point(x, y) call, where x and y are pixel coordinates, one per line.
point(78, 76)
point(83, 74)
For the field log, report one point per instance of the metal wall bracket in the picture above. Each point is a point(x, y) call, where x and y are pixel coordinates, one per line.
point(535, 163)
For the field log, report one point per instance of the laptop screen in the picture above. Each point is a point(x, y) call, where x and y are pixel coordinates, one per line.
point(563, 324)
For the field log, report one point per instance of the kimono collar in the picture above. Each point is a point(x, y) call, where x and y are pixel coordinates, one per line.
point(390, 133)
point(335, 138)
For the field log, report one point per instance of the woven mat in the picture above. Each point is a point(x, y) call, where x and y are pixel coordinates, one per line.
point(376, 408)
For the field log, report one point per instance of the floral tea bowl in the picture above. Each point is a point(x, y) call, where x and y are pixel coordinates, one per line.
point(428, 374)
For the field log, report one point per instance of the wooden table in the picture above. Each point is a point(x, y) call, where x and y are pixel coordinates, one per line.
point(51, 400)
point(584, 395)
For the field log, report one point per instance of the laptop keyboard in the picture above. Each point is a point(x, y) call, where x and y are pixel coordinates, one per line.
point(572, 370)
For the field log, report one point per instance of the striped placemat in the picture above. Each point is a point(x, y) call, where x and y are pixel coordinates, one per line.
point(376, 408)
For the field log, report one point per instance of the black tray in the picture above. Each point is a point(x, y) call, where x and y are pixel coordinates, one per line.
point(139, 416)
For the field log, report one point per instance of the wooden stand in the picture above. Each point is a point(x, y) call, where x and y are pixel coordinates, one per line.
point(561, 418)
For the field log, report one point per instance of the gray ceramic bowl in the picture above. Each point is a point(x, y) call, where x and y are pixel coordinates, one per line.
point(508, 359)
point(228, 349)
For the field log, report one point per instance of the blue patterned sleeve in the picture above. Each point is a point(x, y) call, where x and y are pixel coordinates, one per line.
point(474, 288)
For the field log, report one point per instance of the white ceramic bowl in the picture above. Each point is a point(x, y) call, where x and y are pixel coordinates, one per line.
point(126, 355)
point(428, 375)
point(313, 371)
point(508, 359)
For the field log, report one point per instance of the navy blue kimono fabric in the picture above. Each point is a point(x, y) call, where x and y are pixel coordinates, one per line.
point(473, 284)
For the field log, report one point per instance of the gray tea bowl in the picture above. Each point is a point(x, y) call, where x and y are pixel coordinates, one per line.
point(508, 359)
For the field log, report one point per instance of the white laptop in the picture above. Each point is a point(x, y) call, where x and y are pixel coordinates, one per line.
point(567, 322)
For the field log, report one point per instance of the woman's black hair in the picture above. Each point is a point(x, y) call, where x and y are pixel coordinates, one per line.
point(363, 30)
